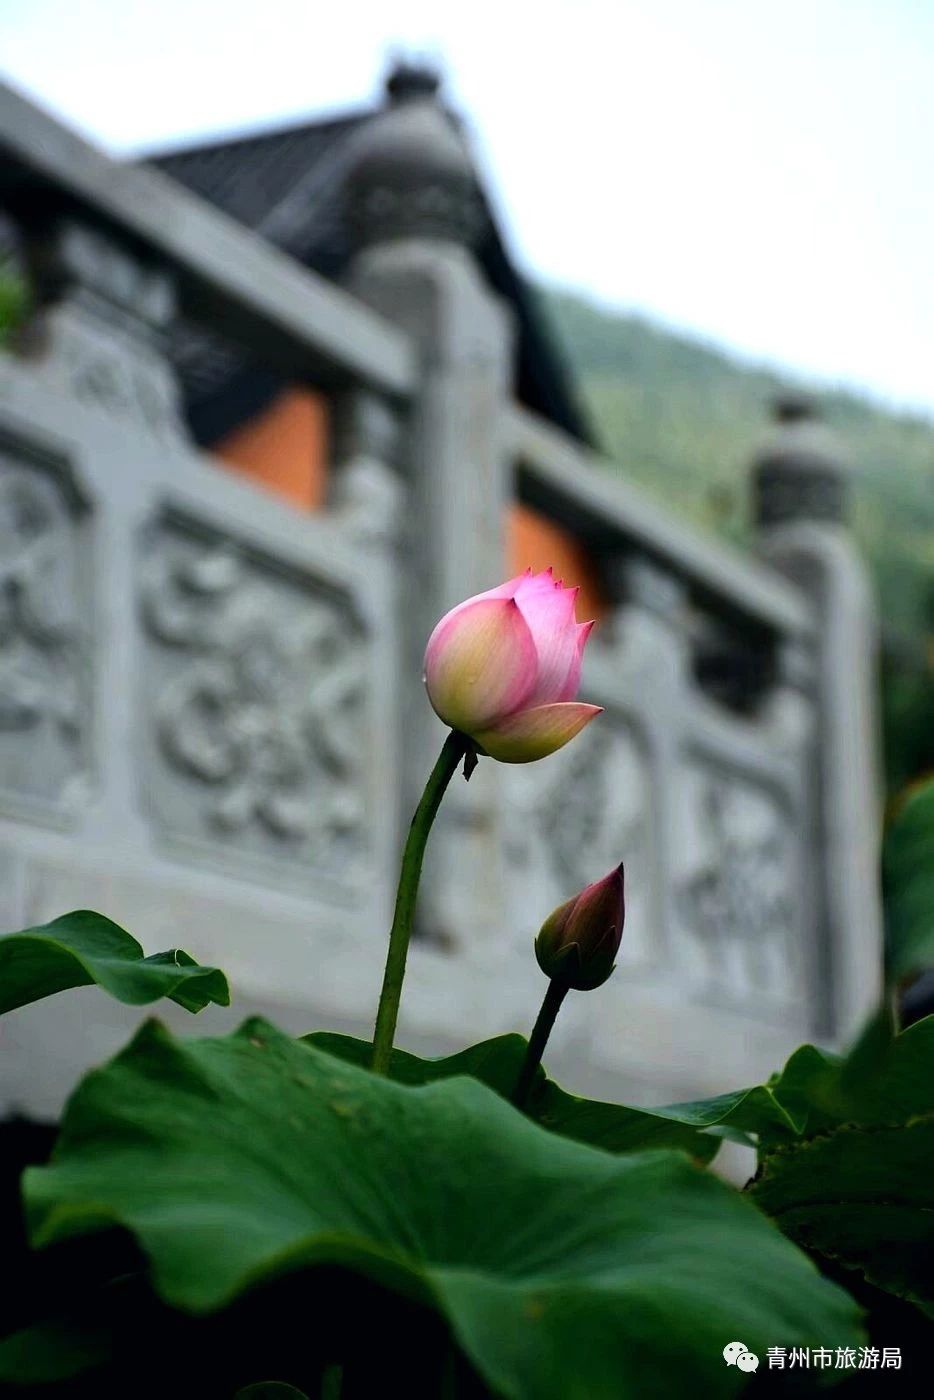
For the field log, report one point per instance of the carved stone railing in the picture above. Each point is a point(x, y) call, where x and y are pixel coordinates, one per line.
point(717, 794)
point(212, 724)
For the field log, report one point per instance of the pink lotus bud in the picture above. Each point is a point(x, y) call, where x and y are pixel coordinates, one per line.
point(578, 943)
point(504, 668)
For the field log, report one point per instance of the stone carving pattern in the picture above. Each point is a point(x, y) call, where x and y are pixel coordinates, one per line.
point(108, 367)
point(43, 656)
point(735, 898)
point(572, 818)
point(258, 706)
point(100, 328)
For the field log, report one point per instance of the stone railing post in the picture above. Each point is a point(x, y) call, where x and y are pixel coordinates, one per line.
point(414, 208)
point(98, 330)
point(801, 492)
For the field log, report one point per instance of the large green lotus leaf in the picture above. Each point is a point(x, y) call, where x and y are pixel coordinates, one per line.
point(565, 1272)
point(862, 1196)
point(83, 947)
point(816, 1090)
point(695, 1128)
point(857, 1186)
point(885, 1080)
point(908, 867)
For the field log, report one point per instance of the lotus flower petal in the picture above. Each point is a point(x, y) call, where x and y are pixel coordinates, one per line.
point(573, 678)
point(600, 905)
point(509, 589)
point(480, 663)
point(536, 732)
point(549, 611)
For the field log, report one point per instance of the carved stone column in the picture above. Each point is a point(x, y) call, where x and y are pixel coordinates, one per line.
point(99, 326)
point(364, 486)
point(367, 496)
point(651, 626)
point(801, 493)
point(415, 210)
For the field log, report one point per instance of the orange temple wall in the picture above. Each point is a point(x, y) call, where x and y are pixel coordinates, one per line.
point(285, 450)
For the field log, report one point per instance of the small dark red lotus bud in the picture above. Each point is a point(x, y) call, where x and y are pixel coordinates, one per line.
point(577, 944)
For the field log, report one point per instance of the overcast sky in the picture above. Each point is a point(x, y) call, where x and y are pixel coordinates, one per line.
point(755, 173)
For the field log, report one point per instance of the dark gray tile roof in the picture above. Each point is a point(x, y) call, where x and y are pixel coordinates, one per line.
point(286, 185)
point(249, 176)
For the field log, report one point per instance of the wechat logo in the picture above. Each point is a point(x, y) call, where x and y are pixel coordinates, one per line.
point(736, 1354)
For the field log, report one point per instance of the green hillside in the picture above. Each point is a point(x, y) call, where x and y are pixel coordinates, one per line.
point(683, 418)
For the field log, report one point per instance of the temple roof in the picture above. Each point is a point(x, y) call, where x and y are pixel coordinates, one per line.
point(288, 185)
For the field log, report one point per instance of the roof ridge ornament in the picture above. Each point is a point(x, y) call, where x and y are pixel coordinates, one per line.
point(410, 79)
point(412, 175)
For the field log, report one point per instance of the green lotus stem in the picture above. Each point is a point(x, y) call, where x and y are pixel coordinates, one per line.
point(554, 996)
point(456, 747)
point(332, 1383)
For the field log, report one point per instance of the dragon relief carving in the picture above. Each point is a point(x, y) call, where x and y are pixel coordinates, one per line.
point(42, 662)
point(574, 817)
point(258, 705)
point(736, 902)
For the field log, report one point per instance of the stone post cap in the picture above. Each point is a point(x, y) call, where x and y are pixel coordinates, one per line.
point(801, 471)
point(409, 79)
point(412, 175)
